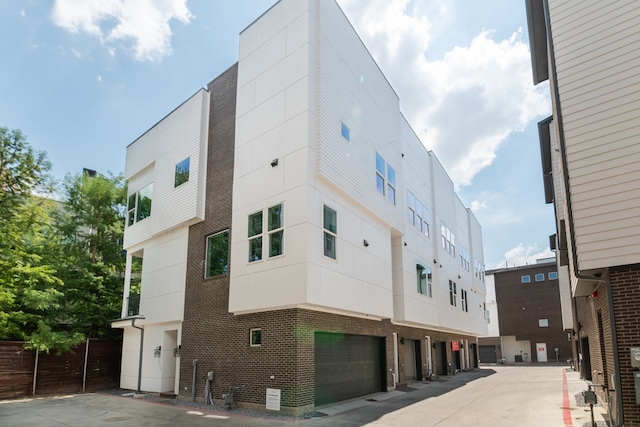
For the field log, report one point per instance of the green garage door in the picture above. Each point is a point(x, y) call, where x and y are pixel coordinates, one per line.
point(347, 366)
point(488, 354)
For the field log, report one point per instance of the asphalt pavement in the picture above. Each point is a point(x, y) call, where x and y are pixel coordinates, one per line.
point(496, 396)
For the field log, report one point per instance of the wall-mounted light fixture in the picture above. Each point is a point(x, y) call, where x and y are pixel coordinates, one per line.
point(365, 243)
point(157, 351)
point(176, 351)
point(274, 163)
point(402, 341)
point(459, 276)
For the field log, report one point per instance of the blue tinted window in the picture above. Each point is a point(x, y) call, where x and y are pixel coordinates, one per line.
point(553, 275)
point(526, 279)
point(344, 130)
point(380, 165)
point(540, 277)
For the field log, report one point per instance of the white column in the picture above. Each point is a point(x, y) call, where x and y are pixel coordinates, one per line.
point(127, 286)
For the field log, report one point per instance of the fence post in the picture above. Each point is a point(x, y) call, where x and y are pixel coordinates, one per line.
point(35, 373)
point(84, 375)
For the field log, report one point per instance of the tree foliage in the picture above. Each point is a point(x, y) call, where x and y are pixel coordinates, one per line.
point(61, 263)
point(89, 231)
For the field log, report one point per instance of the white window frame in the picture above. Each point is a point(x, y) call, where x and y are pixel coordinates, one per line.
point(329, 233)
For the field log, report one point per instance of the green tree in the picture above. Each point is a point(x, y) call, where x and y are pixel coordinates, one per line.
point(30, 291)
point(89, 231)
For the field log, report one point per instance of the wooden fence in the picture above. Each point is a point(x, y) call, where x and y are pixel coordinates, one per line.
point(94, 365)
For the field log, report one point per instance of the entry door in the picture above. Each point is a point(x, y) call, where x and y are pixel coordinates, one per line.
point(409, 360)
point(541, 348)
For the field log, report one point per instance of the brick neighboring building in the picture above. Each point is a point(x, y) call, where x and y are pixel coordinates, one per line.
point(529, 316)
point(290, 241)
point(588, 52)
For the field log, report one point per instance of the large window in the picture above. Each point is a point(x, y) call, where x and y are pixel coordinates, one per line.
point(330, 226)
point(139, 205)
point(417, 213)
point(274, 232)
point(448, 240)
point(385, 179)
point(182, 172)
point(217, 261)
point(424, 279)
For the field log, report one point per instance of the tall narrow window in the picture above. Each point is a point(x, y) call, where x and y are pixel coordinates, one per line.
point(411, 208)
point(139, 205)
point(448, 240)
point(464, 300)
point(344, 130)
point(182, 172)
point(217, 261)
point(330, 226)
point(385, 179)
point(424, 280)
point(380, 173)
point(144, 203)
point(453, 293)
point(391, 184)
point(255, 236)
point(276, 230)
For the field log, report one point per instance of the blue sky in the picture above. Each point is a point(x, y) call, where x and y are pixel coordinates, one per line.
point(84, 78)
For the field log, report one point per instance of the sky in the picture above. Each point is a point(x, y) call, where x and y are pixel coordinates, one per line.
point(82, 79)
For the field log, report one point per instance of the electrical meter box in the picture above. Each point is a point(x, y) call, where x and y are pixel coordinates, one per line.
point(635, 357)
point(590, 397)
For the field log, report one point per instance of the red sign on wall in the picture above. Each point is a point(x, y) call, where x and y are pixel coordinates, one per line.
point(455, 346)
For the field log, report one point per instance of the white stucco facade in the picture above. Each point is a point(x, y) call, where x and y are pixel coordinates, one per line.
point(304, 74)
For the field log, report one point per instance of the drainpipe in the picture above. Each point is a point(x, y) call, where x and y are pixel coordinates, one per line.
point(133, 325)
point(574, 252)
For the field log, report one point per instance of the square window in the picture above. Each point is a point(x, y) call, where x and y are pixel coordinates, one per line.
point(182, 172)
point(526, 279)
point(217, 261)
point(553, 275)
point(344, 131)
point(255, 337)
point(543, 323)
point(540, 277)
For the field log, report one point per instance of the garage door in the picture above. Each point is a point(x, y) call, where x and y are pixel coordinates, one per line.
point(488, 354)
point(347, 366)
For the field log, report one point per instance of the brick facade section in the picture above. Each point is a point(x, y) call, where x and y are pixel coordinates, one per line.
point(522, 305)
point(220, 340)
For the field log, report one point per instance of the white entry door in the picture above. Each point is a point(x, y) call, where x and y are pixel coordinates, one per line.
point(541, 349)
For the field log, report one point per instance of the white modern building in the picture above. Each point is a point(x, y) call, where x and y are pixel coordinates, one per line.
point(314, 247)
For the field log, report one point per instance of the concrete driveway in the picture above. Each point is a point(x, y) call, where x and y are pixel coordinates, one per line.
point(491, 396)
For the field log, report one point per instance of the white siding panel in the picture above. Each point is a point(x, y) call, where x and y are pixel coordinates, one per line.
point(152, 159)
point(599, 86)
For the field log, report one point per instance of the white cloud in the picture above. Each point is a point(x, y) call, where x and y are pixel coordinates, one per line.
point(464, 105)
point(478, 205)
point(23, 13)
point(144, 23)
point(524, 255)
point(99, 78)
point(76, 53)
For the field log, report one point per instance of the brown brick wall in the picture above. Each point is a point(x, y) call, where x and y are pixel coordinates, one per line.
point(625, 287)
point(220, 340)
point(521, 305)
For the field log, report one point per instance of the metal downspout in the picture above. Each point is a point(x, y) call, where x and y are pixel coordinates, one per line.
point(574, 252)
point(133, 325)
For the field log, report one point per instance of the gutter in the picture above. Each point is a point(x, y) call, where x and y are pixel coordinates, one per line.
point(133, 325)
point(574, 252)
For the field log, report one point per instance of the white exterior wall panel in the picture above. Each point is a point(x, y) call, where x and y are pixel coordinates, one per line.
point(152, 159)
point(353, 90)
point(599, 83)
